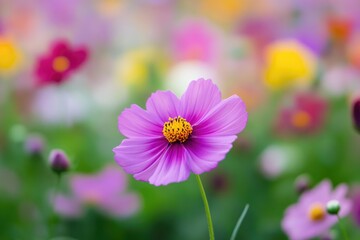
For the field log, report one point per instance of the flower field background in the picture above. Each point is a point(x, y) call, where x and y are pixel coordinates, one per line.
point(70, 68)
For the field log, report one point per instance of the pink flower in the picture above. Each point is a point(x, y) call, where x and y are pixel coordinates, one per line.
point(261, 30)
point(174, 137)
point(308, 218)
point(105, 190)
point(195, 40)
point(305, 115)
point(58, 64)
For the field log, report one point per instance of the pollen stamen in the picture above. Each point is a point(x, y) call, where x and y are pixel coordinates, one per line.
point(301, 119)
point(61, 64)
point(316, 212)
point(177, 129)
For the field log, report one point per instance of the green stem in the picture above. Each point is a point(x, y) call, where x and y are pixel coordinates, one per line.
point(238, 224)
point(207, 209)
point(53, 220)
point(342, 228)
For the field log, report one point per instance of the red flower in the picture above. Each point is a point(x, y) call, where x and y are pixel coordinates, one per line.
point(58, 64)
point(340, 29)
point(305, 115)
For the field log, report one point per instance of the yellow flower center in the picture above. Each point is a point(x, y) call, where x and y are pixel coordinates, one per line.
point(316, 212)
point(177, 129)
point(300, 119)
point(61, 64)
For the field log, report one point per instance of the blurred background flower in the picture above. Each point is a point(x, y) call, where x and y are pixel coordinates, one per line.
point(306, 114)
point(289, 64)
point(10, 55)
point(105, 190)
point(61, 60)
point(308, 218)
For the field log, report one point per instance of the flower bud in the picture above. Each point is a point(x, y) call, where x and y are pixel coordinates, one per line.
point(356, 114)
point(333, 207)
point(34, 144)
point(302, 183)
point(59, 162)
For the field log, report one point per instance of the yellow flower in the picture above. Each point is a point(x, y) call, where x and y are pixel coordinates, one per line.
point(134, 67)
point(9, 55)
point(288, 63)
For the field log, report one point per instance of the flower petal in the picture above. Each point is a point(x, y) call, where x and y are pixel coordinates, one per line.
point(321, 193)
point(98, 187)
point(340, 194)
point(140, 156)
point(172, 166)
point(111, 180)
point(60, 48)
point(229, 117)
point(67, 206)
point(121, 206)
point(136, 122)
point(162, 105)
point(78, 56)
point(293, 223)
point(200, 97)
point(85, 187)
point(204, 153)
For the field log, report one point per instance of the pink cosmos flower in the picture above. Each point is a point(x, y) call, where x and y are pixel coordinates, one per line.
point(304, 116)
point(308, 218)
point(105, 190)
point(57, 65)
point(173, 137)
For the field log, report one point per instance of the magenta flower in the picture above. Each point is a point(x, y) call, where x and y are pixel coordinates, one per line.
point(58, 64)
point(308, 218)
point(261, 31)
point(174, 137)
point(105, 190)
point(58, 161)
point(306, 115)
